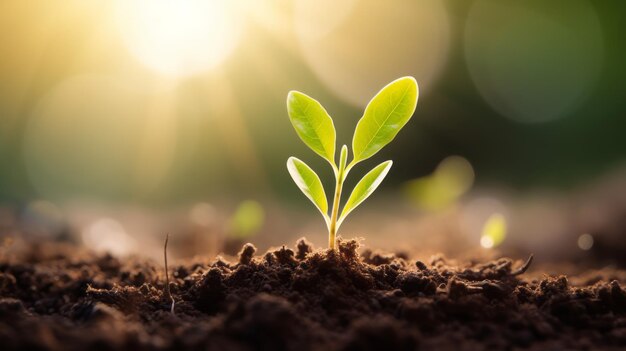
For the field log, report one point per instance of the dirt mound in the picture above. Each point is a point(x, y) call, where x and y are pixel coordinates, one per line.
point(57, 298)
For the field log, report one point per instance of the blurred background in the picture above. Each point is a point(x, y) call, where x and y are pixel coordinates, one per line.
point(124, 120)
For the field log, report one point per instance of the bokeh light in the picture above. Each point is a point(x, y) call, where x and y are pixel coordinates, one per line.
point(533, 61)
point(345, 42)
point(477, 213)
point(108, 235)
point(179, 37)
point(203, 214)
point(585, 242)
point(494, 231)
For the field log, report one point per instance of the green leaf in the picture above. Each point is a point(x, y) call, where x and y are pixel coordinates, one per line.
point(365, 188)
point(313, 124)
point(384, 116)
point(308, 181)
point(343, 157)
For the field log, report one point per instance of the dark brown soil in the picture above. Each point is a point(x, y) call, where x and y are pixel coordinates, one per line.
point(56, 297)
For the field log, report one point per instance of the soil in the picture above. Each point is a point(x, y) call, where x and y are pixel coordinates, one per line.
point(61, 297)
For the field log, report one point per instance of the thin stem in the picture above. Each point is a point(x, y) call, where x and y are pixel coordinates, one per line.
point(332, 230)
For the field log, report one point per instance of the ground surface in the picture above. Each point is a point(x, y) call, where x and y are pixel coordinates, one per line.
point(60, 297)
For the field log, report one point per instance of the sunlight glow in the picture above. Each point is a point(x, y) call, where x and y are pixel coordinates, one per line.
point(486, 242)
point(179, 38)
point(121, 137)
point(108, 235)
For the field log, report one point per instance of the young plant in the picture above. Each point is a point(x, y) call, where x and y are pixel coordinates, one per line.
point(383, 118)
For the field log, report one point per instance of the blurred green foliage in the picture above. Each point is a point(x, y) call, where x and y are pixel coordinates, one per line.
point(247, 220)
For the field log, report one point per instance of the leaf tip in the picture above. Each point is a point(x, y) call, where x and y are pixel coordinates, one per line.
point(408, 79)
point(387, 166)
point(294, 94)
point(291, 161)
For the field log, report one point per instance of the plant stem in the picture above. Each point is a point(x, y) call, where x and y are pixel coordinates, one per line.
point(332, 231)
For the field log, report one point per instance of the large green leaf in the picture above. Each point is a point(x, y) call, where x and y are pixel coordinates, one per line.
point(313, 124)
point(384, 116)
point(308, 181)
point(365, 188)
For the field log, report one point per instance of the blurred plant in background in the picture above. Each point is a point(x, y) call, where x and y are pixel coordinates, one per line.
point(246, 221)
point(452, 178)
point(494, 231)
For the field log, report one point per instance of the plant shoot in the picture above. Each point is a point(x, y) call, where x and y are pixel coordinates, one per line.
point(383, 118)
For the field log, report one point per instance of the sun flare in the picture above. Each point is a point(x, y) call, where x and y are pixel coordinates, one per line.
point(179, 38)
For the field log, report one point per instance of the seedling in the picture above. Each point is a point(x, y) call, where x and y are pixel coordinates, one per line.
point(383, 118)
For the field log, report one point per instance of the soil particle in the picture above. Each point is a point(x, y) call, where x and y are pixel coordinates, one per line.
point(420, 265)
point(304, 248)
point(413, 283)
point(9, 306)
point(55, 298)
point(246, 254)
point(7, 283)
point(285, 256)
point(210, 291)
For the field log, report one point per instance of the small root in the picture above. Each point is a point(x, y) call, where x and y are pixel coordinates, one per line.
point(524, 267)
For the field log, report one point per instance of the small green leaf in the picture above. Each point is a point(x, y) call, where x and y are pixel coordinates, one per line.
point(365, 188)
point(343, 157)
point(384, 116)
point(313, 124)
point(308, 181)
